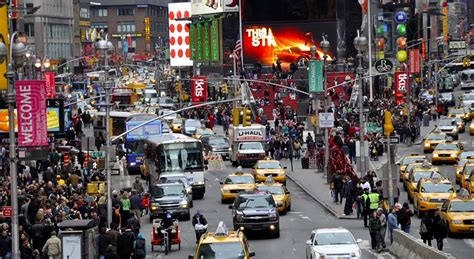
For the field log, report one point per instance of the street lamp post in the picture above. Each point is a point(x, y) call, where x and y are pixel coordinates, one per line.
point(325, 46)
point(104, 47)
point(14, 58)
point(360, 43)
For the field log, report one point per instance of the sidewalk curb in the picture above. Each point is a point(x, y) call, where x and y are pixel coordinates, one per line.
point(421, 138)
point(322, 203)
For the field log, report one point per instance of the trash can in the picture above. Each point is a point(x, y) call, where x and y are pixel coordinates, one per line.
point(426, 120)
point(305, 162)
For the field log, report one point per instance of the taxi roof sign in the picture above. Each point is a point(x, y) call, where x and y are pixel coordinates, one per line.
point(221, 230)
point(269, 180)
point(463, 194)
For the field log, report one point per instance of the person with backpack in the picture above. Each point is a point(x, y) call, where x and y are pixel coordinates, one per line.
point(404, 218)
point(426, 229)
point(440, 230)
point(139, 251)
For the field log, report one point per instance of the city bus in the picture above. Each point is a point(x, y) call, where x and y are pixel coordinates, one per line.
point(175, 153)
point(135, 140)
point(117, 122)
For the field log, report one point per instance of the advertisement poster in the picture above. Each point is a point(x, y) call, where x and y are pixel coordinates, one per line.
point(199, 89)
point(401, 86)
point(72, 246)
point(414, 61)
point(50, 84)
point(200, 7)
point(180, 53)
point(286, 43)
point(31, 113)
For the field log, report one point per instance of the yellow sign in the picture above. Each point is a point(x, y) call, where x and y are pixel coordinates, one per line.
point(147, 29)
point(85, 23)
point(445, 22)
point(4, 34)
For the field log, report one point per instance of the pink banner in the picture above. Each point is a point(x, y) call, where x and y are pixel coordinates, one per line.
point(401, 86)
point(414, 60)
point(50, 84)
point(31, 109)
point(199, 89)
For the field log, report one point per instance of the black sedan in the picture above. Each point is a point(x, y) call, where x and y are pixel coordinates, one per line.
point(217, 144)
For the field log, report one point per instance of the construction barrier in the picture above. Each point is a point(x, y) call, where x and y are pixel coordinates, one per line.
point(215, 162)
point(406, 246)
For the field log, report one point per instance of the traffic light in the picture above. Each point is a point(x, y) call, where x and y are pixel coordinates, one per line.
point(388, 126)
point(466, 62)
point(247, 118)
point(225, 88)
point(178, 87)
point(236, 117)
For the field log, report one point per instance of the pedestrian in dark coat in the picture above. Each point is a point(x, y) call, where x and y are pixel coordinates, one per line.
point(440, 230)
point(110, 253)
point(348, 193)
point(104, 241)
point(337, 181)
point(125, 244)
point(426, 229)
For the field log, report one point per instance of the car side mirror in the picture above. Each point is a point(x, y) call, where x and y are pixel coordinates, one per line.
point(287, 192)
point(190, 256)
point(221, 183)
point(231, 206)
point(416, 190)
point(253, 167)
point(308, 242)
point(359, 241)
point(251, 254)
point(444, 209)
point(285, 167)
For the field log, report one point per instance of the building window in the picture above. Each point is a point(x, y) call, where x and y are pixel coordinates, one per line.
point(128, 11)
point(101, 12)
point(30, 29)
point(126, 27)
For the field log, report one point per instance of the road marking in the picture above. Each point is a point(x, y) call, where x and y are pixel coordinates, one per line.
point(469, 242)
point(304, 217)
point(294, 212)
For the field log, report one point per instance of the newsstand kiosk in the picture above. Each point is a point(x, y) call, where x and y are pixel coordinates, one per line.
point(78, 239)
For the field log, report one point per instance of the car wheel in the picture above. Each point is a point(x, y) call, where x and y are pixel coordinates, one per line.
point(283, 212)
point(289, 207)
point(449, 234)
point(277, 233)
point(151, 219)
point(187, 216)
point(191, 204)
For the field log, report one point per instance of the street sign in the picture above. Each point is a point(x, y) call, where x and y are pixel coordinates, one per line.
point(383, 65)
point(401, 17)
point(372, 127)
point(326, 120)
point(393, 140)
point(7, 211)
point(457, 44)
point(98, 154)
point(315, 76)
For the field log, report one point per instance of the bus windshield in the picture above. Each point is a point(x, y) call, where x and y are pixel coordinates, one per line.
point(180, 157)
point(135, 147)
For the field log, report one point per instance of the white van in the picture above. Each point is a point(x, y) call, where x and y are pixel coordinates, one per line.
point(151, 96)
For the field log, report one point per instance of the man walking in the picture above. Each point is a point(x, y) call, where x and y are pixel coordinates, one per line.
point(392, 223)
point(53, 246)
point(374, 230)
point(439, 230)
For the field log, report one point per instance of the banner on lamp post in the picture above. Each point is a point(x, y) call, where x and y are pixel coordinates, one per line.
point(199, 89)
point(401, 86)
point(50, 84)
point(31, 109)
point(414, 61)
point(315, 77)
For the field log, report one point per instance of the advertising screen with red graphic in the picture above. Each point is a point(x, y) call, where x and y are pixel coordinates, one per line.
point(401, 86)
point(180, 54)
point(199, 89)
point(287, 42)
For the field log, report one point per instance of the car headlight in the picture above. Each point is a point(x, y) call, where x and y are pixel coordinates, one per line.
point(453, 155)
point(427, 144)
point(184, 204)
point(279, 203)
point(471, 126)
point(230, 149)
point(239, 217)
point(424, 198)
point(319, 255)
point(199, 182)
point(214, 149)
point(189, 189)
point(133, 164)
point(154, 206)
point(456, 222)
point(356, 253)
point(273, 216)
point(435, 155)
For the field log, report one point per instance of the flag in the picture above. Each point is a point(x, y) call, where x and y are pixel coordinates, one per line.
point(237, 51)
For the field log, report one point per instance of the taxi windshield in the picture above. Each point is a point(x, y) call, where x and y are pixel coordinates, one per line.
point(411, 160)
point(468, 169)
point(239, 180)
point(268, 165)
point(436, 137)
point(466, 154)
point(446, 123)
point(204, 132)
point(339, 238)
point(276, 190)
point(456, 111)
point(464, 161)
point(226, 250)
point(462, 206)
point(177, 121)
point(425, 175)
point(447, 146)
point(437, 188)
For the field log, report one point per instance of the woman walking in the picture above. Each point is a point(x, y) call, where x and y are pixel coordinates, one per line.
point(440, 230)
point(426, 229)
point(374, 230)
point(383, 226)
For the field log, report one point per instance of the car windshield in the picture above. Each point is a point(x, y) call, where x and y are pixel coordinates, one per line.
point(166, 100)
point(204, 132)
point(255, 202)
point(135, 147)
point(436, 137)
point(218, 141)
point(462, 206)
point(339, 238)
point(250, 145)
point(411, 160)
point(193, 123)
point(177, 121)
point(468, 97)
point(275, 190)
point(224, 250)
point(268, 165)
point(462, 162)
point(437, 188)
point(446, 122)
point(468, 169)
point(239, 179)
point(425, 175)
point(446, 96)
point(456, 111)
point(447, 146)
point(174, 179)
point(466, 154)
point(167, 190)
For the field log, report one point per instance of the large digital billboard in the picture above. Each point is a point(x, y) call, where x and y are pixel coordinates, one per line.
point(289, 42)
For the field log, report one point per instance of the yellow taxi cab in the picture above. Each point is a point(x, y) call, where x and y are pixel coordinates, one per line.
point(201, 132)
point(411, 167)
point(471, 128)
point(223, 244)
point(280, 193)
point(467, 182)
point(418, 173)
point(432, 140)
point(458, 213)
point(409, 159)
point(460, 168)
point(177, 125)
point(431, 193)
point(449, 127)
point(235, 183)
point(458, 112)
point(267, 167)
point(461, 124)
point(447, 153)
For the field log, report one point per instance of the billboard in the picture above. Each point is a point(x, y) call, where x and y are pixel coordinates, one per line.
point(31, 113)
point(231, 5)
point(199, 89)
point(180, 53)
point(287, 42)
point(50, 84)
point(152, 129)
point(401, 86)
point(201, 7)
point(3, 31)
